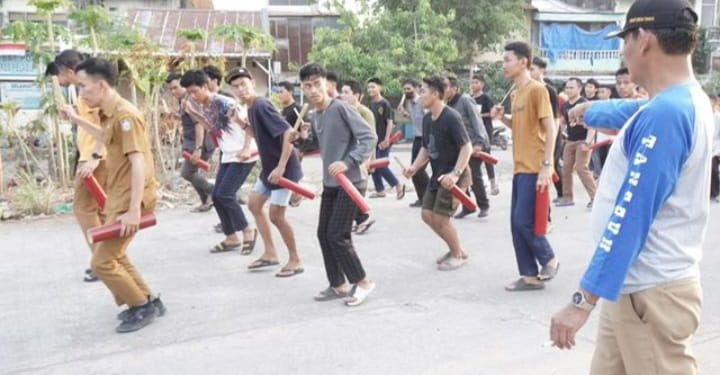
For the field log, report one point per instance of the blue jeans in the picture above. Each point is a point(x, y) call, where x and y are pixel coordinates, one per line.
point(381, 173)
point(229, 179)
point(529, 248)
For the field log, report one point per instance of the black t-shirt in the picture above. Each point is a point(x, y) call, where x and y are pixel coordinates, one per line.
point(486, 104)
point(575, 133)
point(443, 138)
point(289, 113)
point(269, 128)
point(554, 102)
point(383, 112)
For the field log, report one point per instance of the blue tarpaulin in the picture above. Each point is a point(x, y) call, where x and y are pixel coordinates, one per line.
point(556, 38)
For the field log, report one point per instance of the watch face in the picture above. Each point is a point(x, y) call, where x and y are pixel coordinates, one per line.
point(577, 298)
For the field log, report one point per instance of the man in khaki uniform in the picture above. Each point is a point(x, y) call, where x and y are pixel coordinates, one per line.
point(130, 189)
point(86, 209)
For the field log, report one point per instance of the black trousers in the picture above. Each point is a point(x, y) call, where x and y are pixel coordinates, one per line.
point(714, 178)
point(489, 167)
point(420, 180)
point(478, 185)
point(559, 145)
point(337, 211)
point(359, 216)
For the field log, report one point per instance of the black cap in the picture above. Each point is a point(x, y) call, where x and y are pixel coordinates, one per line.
point(236, 73)
point(658, 14)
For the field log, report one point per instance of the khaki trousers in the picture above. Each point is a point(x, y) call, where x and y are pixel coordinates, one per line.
point(575, 159)
point(87, 211)
point(649, 332)
point(111, 264)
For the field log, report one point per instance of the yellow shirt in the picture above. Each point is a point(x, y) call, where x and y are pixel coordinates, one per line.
point(126, 134)
point(85, 141)
point(530, 105)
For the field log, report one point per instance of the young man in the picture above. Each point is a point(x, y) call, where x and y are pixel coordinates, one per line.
point(651, 211)
point(447, 146)
point(215, 112)
point(346, 142)
point(465, 106)
point(604, 92)
point(625, 87)
point(483, 100)
point(384, 126)
point(195, 141)
point(86, 209)
point(576, 155)
point(537, 72)
point(413, 109)
point(350, 93)
point(291, 109)
point(333, 82)
point(274, 137)
point(130, 188)
point(533, 131)
point(590, 90)
point(215, 79)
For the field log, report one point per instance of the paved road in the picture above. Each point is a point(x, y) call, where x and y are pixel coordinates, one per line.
point(225, 320)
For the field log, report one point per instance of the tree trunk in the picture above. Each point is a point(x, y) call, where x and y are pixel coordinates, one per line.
point(155, 103)
point(94, 41)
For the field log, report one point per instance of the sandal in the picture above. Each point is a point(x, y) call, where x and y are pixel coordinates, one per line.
point(205, 207)
point(447, 256)
point(262, 263)
point(380, 194)
point(249, 246)
point(400, 191)
point(452, 263)
point(548, 272)
point(222, 247)
point(329, 294)
point(289, 272)
point(359, 295)
point(295, 200)
point(520, 285)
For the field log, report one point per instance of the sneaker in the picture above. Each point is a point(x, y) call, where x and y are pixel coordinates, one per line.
point(589, 205)
point(484, 212)
point(417, 203)
point(495, 190)
point(90, 276)
point(125, 314)
point(564, 203)
point(138, 318)
point(380, 194)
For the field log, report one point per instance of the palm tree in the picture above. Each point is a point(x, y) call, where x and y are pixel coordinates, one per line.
point(250, 37)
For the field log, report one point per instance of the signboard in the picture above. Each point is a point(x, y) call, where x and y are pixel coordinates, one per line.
point(17, 66)
point(26, 94)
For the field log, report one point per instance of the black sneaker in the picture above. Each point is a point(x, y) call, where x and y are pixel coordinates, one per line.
point(90, 276)
point(138, 317)
point(483, 212)
point(125, 314)
point(417, 203)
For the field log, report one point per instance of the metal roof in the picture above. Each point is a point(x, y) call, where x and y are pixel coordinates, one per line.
point(162, 26)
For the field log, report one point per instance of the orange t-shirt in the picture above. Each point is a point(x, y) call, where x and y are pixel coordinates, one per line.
point(530, 105)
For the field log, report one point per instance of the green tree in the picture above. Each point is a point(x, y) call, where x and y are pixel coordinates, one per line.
point(390, 45)
point(250, 37)
point(92, 18)
point(192, 37)
point(479, 25)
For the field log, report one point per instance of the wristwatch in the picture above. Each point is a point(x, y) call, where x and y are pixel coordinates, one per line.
point(96, 156)
point(579, 301)
point(546, 163)
point(457, 172)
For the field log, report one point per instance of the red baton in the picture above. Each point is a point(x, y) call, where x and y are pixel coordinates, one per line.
point(352, 192)
point(463, 198)
point(96, 190)
point(396, 137)
point(484, 156)
point(290, 185)
point(110, 231)
point(542, 210)
point(606, 142)
point(202, 164)
point(380, 163)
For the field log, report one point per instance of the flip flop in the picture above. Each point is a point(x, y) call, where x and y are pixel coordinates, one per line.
point(262, 263)
point(359, 296)
point(448, 255)
point(520, 285)
point(290, 272)
point(329, 294)
point(249, 246)
point(222, 247)
point(452, 263)
point(401, 192)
